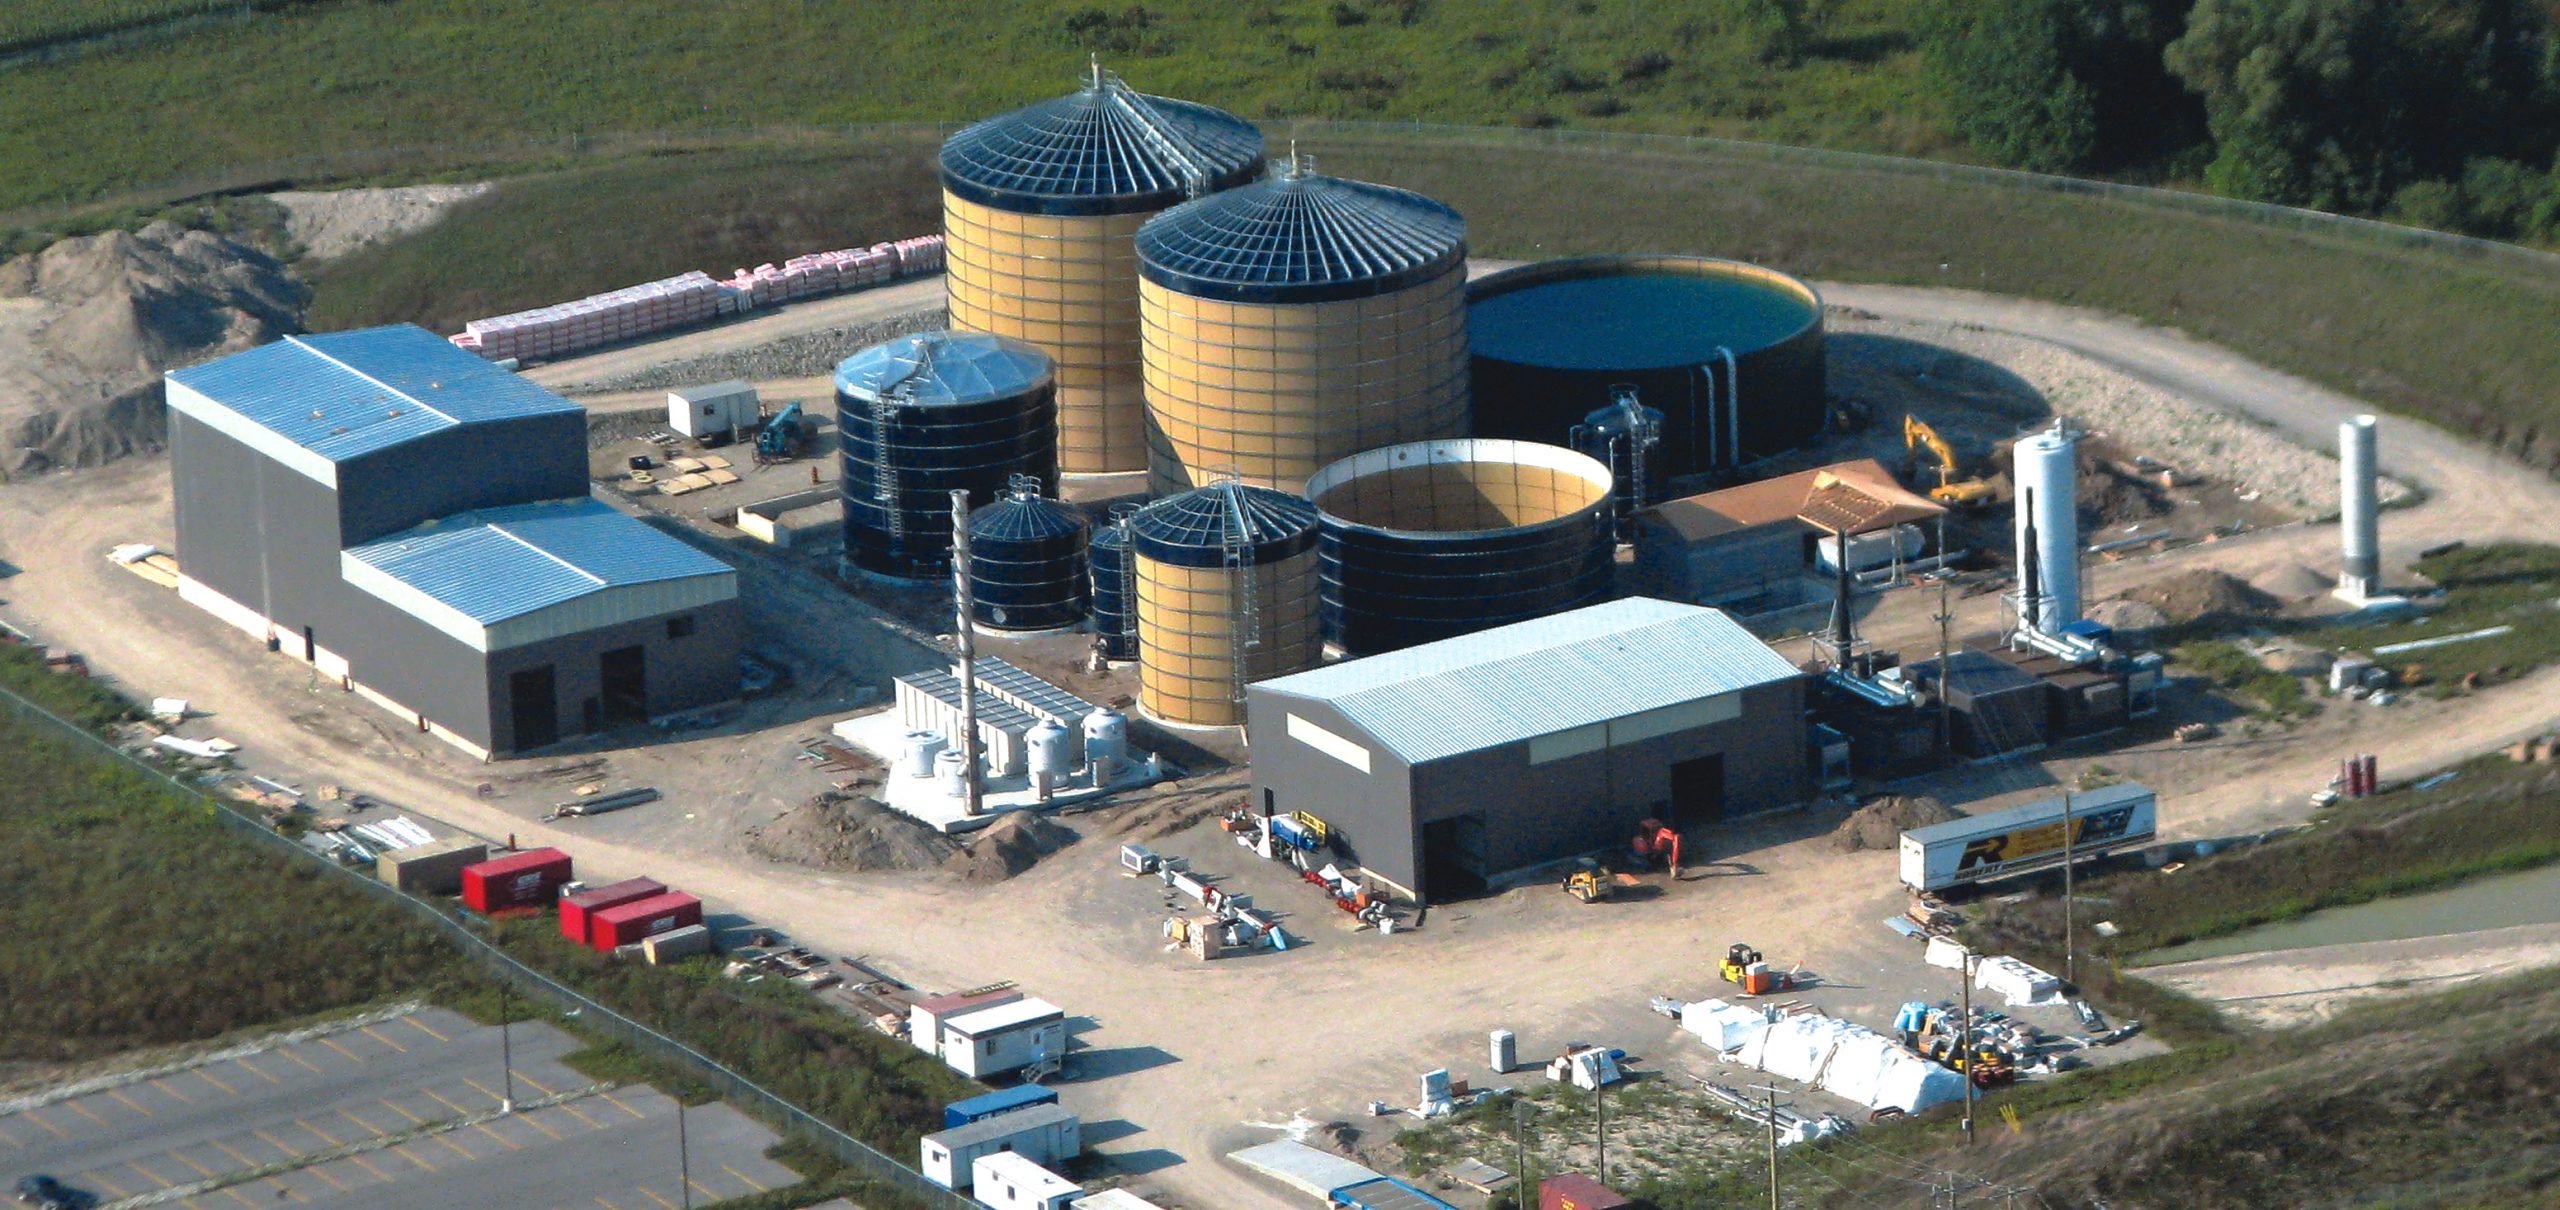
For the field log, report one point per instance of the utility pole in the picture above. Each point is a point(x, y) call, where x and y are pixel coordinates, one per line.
point(684, 1153)
point(1946, 673)
point(506, 1047)
point(2070, 936)
point(1964, 1055)
point(1520, 1151)
point(1772, 1090)
point(1600, 1105)
point(971, 792)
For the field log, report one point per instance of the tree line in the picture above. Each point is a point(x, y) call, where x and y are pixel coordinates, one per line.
point(2440, 113)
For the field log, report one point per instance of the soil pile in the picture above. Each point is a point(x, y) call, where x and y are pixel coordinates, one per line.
point(1880, 824)
point(2131, 620)
point(836, 831)
point(88, 326)
point(1015, 842)
point(332, 224)
point(2293, 582)
point(2212, 597)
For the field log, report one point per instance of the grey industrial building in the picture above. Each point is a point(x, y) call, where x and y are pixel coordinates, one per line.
point(416, 524)
point(1447, 765)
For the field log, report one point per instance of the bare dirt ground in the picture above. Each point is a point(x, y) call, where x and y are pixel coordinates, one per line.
point(331, 224)
point(2299, 987)
point(1176, 1056)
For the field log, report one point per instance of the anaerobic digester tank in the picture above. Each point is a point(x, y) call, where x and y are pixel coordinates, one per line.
point(1026, 561)
point(922, 415)
point(1296, 321)
point(1039, 210)
point(1443, 538)
point(1115, 618)
point(1226, 591)
point(2048, 474)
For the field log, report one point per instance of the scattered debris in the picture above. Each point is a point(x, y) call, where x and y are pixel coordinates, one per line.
point(602, 803)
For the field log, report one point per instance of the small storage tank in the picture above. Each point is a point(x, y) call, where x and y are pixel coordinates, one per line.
point(1443, 538)
point(1108, 558)
point(1626, 437)
point(1027, 561)
point(1296, 321)
point(922, 415)
point(1038, 210)
point(1106, 742)
point(1226, 580)
point(919, 751)
point(1729, 353)
point(950, 765)
point(2048, 471)
point(1050, 755)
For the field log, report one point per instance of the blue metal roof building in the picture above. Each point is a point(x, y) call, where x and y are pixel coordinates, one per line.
point(416, 524)
point(1588, 720)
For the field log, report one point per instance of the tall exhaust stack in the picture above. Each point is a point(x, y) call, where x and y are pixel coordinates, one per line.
point(2049, 520)
point(2359, 511)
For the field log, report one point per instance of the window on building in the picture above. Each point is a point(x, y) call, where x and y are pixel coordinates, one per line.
point(680, 627)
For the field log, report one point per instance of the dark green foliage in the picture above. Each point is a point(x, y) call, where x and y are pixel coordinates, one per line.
point(83, 701)
point(2064, 85)
point(27, 25)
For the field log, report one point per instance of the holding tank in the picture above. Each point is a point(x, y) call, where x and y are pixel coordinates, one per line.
point(1729, 353)
point(1026, 561)
point(1115, 617)
point(1039, 207)
point(1626, 437)
point(923, 415)
point(1296, 321)
point(1443, 538)
point(1226, 580)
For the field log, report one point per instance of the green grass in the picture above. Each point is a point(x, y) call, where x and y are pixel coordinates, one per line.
point(238, 101)
point(537, 240)
point(2505, 584)
point(2277, 695)
point(29, 24)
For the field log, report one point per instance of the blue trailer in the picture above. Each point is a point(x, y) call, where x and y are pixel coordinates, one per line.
point(980, 1108)
point(1385, 1193)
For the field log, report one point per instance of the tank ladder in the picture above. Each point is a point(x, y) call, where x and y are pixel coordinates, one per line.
point(1153, 130)
point(884, 405)
point(1246, 618)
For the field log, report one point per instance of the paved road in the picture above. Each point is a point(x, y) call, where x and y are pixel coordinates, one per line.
point(365, 1083)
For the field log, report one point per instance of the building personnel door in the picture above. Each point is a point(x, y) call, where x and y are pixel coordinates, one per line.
point(624, 672)
point(1697, 791)
point(533, 707)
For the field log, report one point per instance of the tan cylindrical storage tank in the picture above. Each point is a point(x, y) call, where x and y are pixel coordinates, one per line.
point(1226, 590)
point(1296, 321)
point(1040, 207)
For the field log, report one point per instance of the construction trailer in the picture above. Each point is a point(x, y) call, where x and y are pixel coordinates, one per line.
point(532, 878)
point(577, 910)
point(714, 414)
point(1590, 721)
point(1001, 1101)
point(1045, 1134)
point(632, 923)
point(1009, 1180)
point(925, 1016)
point(1004, 1038)
point(1114, 1199)
point(415, 523)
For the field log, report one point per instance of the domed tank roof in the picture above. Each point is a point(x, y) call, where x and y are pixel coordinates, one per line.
point(1022, 515)
point(1299, 237)
point(943, 368)
point(1198, 527)
point(1103, 149)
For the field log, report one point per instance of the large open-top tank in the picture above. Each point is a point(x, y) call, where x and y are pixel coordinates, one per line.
point(1039, 209)
point(1729, 353)
point(1226, 596)
point(1443, 538)
point(1298, 320)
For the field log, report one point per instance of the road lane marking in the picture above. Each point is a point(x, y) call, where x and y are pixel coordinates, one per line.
point(255, 1071)
point(538, 1085)
point(511, 1144)
point(322, 1171)
point(652, 1195)
point(239, 1197)
point(83, 1111)
point(332, 1043)
point(367, 1030)
point(129, 1102)
point(217, 1081)
point(438, 1098)
point(706, 1191)
point(37, 1118)
point(201, 1170)
point(103, 1183)
point(368, 1127)
point(290, 1152)
point(743, 1178)
point(403, 1111)
point(157, 1181)
point(617, 1103)
point(163, 1085)
point(482, 1089)
point(404, 1153)
point(378, 1174)
point(573, 1112)
point(306, 1063)
point(454, 1147)
point(429, 1029)
point(12, 1140)
point(234, 1153)
point(318, 1133)
point(607, 1205)
point(536, 1123)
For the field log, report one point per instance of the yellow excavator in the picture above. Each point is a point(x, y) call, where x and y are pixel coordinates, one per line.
point(1951, 491)
point(1593, 883)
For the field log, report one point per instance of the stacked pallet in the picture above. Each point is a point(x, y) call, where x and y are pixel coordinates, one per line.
point(599, 319)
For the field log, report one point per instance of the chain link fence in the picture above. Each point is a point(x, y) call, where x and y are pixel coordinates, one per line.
point(532, 984)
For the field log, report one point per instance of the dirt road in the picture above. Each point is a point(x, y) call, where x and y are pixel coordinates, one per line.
point(1179, 1054)
point(765, 326)
point(2296, 987)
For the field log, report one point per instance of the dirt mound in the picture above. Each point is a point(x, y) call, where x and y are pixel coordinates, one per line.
point(2132, 620)
point(2293, 582)
point(332, 224)
point(849, 832)
point(1880, 824)
point(1015, 842)
point(2205, 595)
point(88, 326)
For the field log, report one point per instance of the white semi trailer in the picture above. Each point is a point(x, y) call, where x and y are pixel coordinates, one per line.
point(1981, 848)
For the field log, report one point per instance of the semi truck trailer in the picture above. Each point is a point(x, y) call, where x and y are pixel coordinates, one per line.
point(1983, 848)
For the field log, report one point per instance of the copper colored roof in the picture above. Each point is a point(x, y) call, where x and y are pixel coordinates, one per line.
point(1853, 497)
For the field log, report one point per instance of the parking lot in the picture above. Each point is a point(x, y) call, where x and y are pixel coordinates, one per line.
point(297, 1105)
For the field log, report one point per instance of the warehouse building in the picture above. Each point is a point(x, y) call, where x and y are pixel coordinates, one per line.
point(1445, 766)
point(1760, 546)
point(414, 522)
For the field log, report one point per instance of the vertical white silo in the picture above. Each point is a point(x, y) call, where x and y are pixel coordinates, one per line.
point(2047, 474)
point(2359, 509)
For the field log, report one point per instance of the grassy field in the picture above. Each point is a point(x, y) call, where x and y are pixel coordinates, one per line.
point(2234, 670)
point(2508, 584)
point(355, 76)
point(30, 24)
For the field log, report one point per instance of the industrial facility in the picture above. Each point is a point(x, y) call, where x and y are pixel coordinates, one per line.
point(1759, 546)
point(1040, 207)
point(1588, 721)
point(414, 522)
point(925, 415)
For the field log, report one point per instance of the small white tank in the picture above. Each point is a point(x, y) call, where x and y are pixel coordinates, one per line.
point(1106, 743)
point(1050, 752)
point(950, 765)
point(917, 756)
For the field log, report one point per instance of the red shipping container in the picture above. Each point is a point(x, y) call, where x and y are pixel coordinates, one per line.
point(1574, 1191)
point(614, 927)
point(528, 879)
point(575, 910)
